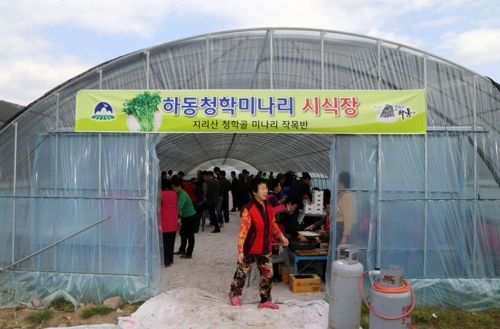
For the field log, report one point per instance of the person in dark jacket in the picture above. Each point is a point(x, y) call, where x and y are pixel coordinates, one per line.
point(234, 190)
point(301, 188)
point(283, 213)
point(285, 219)
point(225, 187)
point(198, 191)
point(243, 196)
point(211, 200)
point(286, 180)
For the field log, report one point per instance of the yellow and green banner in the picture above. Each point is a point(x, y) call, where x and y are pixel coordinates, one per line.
point(256, 111)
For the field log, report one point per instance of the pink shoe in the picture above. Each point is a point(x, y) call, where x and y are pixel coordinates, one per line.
point(268, 304)
point(235, 300)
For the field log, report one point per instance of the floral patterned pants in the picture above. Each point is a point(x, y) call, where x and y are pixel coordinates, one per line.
point(265, 266)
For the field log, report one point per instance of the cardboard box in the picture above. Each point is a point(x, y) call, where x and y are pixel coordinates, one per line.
point(302, 285)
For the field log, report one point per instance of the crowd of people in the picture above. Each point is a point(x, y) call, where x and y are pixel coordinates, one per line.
point(269, 209)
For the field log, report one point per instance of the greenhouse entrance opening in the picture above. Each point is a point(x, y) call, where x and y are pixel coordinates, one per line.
point(416, 197)
point(429, 203)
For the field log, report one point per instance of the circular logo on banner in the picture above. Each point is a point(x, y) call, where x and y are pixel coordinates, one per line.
point(103, 111)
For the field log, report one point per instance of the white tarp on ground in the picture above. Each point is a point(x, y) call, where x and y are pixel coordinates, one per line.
point(193, 308)
point(195, 294)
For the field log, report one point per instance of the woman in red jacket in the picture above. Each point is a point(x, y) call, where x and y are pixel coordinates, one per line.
point(258, 226)
point(169, 222)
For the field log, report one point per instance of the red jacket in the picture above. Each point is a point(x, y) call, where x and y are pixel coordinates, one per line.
point(169, 221)
point(258, 226)
point(272, 199)
point(277, 210)
point(189, 190)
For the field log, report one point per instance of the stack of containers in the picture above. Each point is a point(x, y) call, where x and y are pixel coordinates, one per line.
point(316, 206)
point(318, 201)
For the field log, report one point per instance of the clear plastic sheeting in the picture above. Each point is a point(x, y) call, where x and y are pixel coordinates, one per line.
point(277, 58)
point(417, 204)
point(430, 203)
point(78, 179)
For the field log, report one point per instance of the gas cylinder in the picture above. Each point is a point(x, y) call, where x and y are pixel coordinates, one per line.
point(345, 297)
point(391, 300)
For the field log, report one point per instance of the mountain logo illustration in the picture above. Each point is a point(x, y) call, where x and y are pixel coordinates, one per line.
point(103, 111)
point(392, 113)
point(387, 112)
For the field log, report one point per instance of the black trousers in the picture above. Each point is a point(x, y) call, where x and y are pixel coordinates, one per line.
point(188, 227)
point(225, 209)
point(168, 247)
point(211, 212)
point(235, 200)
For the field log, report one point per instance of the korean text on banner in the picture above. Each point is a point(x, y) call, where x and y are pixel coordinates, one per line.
point(264, 111)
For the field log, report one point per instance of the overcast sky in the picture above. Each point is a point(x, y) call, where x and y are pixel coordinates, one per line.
point(44, 43)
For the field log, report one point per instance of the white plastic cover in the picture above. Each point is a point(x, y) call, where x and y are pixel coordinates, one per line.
point(78, 179)
point(429, 203)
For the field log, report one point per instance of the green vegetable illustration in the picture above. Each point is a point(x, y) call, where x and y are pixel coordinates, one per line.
point(143, 107)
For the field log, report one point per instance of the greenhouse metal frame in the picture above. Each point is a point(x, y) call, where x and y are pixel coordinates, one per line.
point(429, 203)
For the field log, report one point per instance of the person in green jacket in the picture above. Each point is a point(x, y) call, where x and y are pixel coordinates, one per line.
point(188, 220)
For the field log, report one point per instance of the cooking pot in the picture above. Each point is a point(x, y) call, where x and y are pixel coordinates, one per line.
point(302, 245)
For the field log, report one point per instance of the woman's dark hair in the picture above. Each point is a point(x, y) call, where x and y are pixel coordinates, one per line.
point(177, 182)
point(254, 184)
point(345, 178)
point(305, 175)
point(327, 194)
point(272, 184)
point(166, 184)
point(292, 199)
point(289, 178)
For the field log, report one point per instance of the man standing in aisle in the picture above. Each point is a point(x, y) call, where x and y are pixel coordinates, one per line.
point(218, 208)
point(246, 178)
point(225, 187)
point(302, 190)
point(234, 190)
point(211, 200)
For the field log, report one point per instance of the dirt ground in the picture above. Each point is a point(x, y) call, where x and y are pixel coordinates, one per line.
point(17, 318)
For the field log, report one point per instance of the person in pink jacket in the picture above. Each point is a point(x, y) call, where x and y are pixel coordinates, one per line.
point(169, 223)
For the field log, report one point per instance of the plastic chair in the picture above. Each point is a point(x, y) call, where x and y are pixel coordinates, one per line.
point(280, 258)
